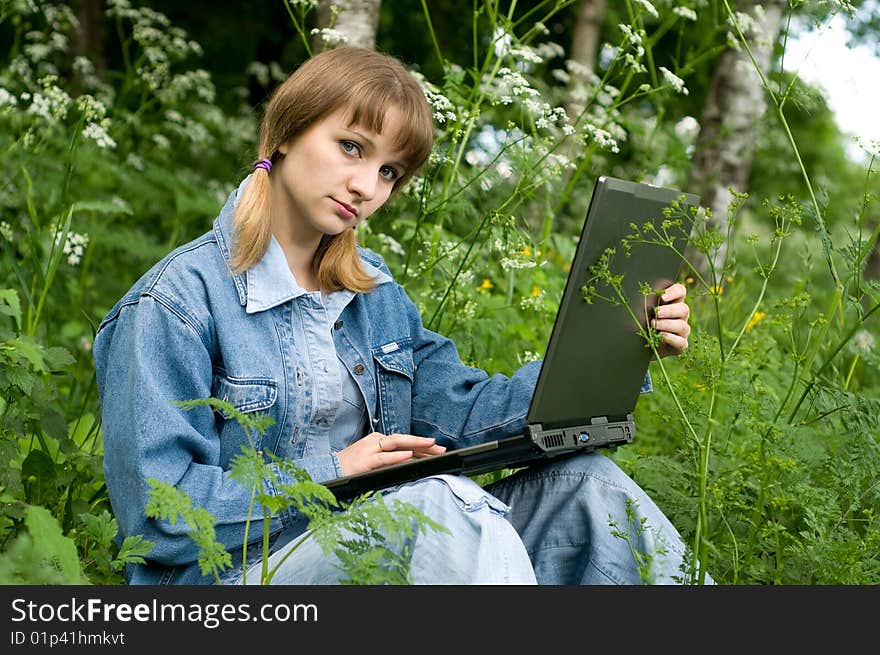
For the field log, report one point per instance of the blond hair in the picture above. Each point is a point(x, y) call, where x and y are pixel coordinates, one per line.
point(367, 83)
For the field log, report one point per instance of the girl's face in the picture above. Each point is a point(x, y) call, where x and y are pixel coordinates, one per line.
point(333, 175)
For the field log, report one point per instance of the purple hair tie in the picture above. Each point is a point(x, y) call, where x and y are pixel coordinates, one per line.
point(265, 164)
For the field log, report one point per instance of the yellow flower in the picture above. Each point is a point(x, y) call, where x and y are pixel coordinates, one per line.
point(527, 251)
point(536, 291)
point(566, 267)
point(757, 318)
point(689, 280)
point(716, 291)
point(486, 285)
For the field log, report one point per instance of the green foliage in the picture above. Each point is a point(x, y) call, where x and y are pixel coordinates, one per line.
point(371, 541)
point(42, 554)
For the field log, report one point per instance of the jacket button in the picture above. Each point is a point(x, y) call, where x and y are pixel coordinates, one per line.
point(337, 325)
point(358, 369)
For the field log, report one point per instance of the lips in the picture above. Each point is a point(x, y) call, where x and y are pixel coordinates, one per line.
point(345, 209)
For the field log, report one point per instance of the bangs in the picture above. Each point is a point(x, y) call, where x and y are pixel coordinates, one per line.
point(414, 140)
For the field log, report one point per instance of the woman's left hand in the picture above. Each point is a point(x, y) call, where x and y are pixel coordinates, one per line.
point(671, 320)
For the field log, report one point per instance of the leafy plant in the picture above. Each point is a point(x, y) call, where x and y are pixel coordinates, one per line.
point(370, 539)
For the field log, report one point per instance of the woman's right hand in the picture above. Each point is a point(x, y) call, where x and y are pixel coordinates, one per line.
point(377, 450)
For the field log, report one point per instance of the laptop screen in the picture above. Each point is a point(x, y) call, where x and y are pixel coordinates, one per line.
point(596, 360)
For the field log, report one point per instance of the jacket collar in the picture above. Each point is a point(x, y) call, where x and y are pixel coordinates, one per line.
point(269, 282)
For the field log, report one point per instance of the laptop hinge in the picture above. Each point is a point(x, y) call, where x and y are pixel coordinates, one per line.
point(599, 433)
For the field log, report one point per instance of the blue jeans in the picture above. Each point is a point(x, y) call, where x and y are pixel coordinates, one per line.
point(571, 521)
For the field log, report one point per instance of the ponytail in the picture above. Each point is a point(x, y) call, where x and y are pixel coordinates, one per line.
point(250, 222)
point(339, 265)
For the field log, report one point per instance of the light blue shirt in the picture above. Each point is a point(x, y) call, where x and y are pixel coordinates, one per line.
point(331, 405)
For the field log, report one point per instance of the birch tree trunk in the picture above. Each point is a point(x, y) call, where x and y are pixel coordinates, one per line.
point(355, 20)
point(584, 47)
point(726, 143)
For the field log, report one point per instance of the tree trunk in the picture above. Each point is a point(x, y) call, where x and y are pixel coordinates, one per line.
point(725, 146)
point(584, 46)
point(88, 39)
point(356, 20)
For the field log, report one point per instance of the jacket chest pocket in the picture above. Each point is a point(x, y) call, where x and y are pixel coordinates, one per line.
point(247, 395)
point(394, 378)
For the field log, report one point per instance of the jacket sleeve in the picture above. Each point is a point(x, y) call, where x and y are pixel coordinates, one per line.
point(147, 355)
point(457, 404)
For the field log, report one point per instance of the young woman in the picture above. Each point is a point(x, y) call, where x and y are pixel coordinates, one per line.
point(277, 310)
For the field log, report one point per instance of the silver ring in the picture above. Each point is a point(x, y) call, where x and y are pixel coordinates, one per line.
point(381, 450)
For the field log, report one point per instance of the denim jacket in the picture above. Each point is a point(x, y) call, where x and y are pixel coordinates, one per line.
point(190, 329)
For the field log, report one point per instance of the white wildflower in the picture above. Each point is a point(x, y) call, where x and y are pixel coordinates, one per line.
point(441, 104)
point(40, 106)
point(527, 356)
point(83, 66)
point(134, 161)
point(161, 141)
point(91, 108)
point(502, 41)
point(97, 133)
point(468, 311)
point(330, 37)
point(863, 341)
point(74, 246)
point(476, 157)
point(526, 54)
point(6, 230)
point(633, 64)
point(674, 80)
point(647, 6)
point(560, 161)
point(582, 72)
point(259, 70)
point(7, 98)
point(561, 75)
point(745, 21)
point(391, 244)
point(685, 12)
point(687, 128)
point(509, 263)
point(602, 137)
point(634, 38)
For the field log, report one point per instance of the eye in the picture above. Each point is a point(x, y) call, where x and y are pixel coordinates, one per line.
point(388, 173)
point(350, 147)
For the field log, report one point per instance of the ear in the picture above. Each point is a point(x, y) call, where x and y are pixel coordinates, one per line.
point(283, 148)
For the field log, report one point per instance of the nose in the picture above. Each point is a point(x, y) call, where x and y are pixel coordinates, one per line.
point(362, 182)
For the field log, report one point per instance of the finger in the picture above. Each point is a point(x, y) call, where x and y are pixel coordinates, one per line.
point(393, 457)
point(677, 344)
point(673, 310)
point(407, 441)
point(672, 326)
point(674, 292)
point(426, 452)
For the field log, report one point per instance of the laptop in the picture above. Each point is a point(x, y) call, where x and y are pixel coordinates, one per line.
point(596, 360)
